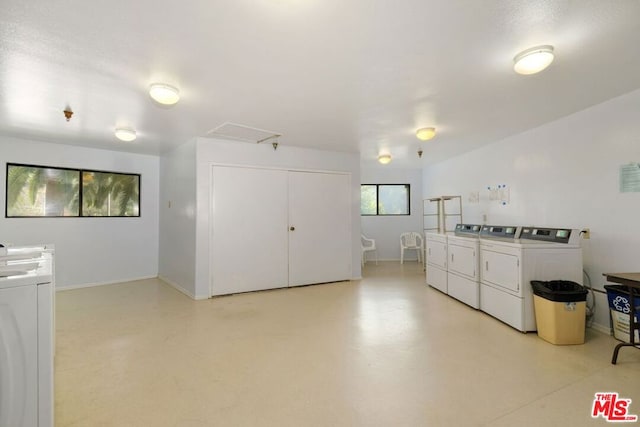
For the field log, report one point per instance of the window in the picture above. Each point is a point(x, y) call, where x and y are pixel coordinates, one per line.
point(385, 199)
point(110, 194)
point(43, 191)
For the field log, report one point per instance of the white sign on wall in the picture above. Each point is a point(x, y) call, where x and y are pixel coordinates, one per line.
point(630, 178)
point(474, 197)
point(499, 194)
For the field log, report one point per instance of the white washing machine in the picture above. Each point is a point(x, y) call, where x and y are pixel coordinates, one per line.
point(26, 337)
point(436, 256)
point(463, 272)
point(511, 257)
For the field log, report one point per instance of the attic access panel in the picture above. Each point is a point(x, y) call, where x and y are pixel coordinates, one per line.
point(243, 133)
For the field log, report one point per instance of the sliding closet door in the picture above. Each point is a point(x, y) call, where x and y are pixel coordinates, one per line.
point(249, 241)
point(319, 228)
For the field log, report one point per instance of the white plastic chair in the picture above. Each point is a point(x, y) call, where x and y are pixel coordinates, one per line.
point(411, 240)
point(368, 245)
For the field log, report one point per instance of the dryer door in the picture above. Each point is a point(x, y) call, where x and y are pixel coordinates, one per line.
point(501, 269)
point(463, 260)
point(437, 253)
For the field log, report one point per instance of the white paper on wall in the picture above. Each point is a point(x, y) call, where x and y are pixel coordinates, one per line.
point(493, 193)
point(503, 195)
point(499, 193)
point(630, 178)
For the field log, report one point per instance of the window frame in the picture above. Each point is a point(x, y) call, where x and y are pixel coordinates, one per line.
point(408, 187)
point(81, 172)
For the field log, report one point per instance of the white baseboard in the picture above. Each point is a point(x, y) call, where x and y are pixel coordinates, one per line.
point(181, 289)
point(601, 328)
point(93, 285)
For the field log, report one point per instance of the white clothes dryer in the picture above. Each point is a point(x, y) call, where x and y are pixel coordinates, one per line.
point(511, 257)
point(26, 337)
point(436, 257)
point(463, 272)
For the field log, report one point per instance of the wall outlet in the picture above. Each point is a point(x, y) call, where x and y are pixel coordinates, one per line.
point(586, 233)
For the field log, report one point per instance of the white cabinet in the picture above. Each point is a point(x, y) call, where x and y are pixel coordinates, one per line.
point(278, 228)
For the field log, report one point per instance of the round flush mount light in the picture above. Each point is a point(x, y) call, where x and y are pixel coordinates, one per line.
point(533, 60)
point(164, 94)
point(384, 158)
point(126, 135)
point(426, 134)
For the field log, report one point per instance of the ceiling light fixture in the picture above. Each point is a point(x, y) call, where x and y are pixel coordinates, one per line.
point(384, 158)
point(126, 135)
point(426, 134)
point(533, 60)
point(164, 94)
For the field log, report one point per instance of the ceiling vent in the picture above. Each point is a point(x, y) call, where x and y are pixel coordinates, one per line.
point(242, 133)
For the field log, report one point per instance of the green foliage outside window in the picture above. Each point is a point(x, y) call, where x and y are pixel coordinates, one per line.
point(385, 199)
point(38, 191)
point(368, 200)
point(110, 194)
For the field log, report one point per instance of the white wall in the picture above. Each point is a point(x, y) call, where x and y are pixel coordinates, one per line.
point(89, 251)
point(562, 174)
point(178, 218)
point(386, 230)
point(215, 151)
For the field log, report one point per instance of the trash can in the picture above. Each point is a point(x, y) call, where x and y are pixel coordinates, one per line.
point(560, 308)
point(620, 307)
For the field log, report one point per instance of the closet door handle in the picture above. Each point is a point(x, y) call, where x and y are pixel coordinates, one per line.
point(486, 265)
point(451, 257)
point(292, 228)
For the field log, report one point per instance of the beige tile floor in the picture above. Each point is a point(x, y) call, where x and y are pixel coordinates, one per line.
point(384, 351)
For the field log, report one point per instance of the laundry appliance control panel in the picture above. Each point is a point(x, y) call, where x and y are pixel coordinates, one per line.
point(471, 230)
point(555, 235)
point(504, 232)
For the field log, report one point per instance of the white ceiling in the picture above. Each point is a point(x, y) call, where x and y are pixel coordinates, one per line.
point(356, 75)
